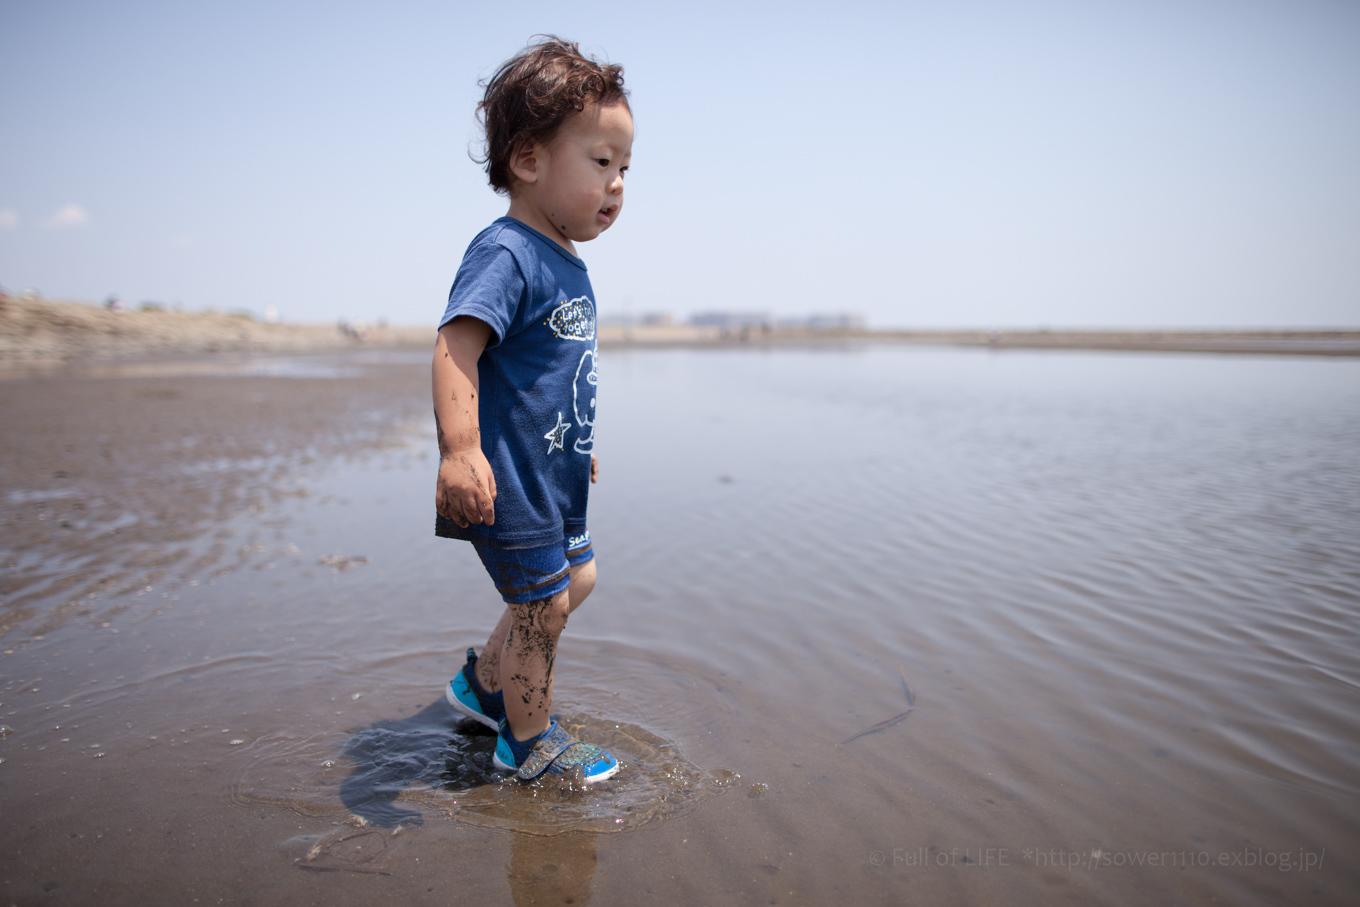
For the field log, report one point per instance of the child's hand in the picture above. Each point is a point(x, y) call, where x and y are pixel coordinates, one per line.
point(465, 491)
point(594, 469)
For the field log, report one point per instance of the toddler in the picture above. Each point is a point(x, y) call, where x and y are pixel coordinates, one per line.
point(514, 388)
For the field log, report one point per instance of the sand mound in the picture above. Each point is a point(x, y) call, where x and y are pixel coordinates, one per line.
point(33, 330)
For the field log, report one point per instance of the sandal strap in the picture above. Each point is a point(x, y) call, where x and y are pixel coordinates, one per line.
point(556, 745)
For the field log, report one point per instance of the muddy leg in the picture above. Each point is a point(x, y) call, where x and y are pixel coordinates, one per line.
point(489, 662)
point(527, 660)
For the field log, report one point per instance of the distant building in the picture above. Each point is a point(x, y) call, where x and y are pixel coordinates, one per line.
point(732, 321)
point(628, 320)
point(833, 322)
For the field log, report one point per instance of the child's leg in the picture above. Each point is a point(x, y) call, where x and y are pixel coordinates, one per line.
point(489, 662)
point(582, 582)
point(522, 650)
point(527, 659)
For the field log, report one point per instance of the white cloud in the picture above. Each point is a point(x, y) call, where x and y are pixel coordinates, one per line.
point(9, 218)
point(71, 215)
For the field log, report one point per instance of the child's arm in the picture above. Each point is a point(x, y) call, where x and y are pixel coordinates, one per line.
point(465, 491)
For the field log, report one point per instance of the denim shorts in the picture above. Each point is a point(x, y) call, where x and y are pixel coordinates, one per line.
point(529, 574)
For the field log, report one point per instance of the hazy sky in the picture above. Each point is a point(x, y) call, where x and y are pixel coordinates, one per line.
point(1008, 163)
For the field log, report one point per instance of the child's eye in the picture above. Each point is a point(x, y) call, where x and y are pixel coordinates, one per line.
point(623, 170)
point(602, 161)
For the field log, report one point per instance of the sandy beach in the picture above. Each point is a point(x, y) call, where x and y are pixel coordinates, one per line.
point(1120, 588)
point(37, 334)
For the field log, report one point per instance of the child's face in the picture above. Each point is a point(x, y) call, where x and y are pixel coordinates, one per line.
point(576, 183)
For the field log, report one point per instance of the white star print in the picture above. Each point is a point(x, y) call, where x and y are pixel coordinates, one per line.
point(557, 434)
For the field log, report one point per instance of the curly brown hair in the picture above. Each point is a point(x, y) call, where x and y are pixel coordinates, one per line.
point(533, 94)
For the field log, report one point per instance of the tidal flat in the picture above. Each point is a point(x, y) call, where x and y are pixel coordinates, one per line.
point(874, 624)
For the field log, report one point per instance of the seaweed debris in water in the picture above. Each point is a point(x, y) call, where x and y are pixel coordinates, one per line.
point(896, 719)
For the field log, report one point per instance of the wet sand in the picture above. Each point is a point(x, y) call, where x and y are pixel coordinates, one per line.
point(116, 475)
point(1123, 590)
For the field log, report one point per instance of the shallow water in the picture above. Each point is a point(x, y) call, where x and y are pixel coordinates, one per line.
point(1122, 587)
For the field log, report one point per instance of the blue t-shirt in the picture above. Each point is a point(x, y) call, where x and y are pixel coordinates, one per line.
point(537, 382)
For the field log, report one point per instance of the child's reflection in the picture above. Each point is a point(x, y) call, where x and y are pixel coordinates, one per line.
point(551, 870)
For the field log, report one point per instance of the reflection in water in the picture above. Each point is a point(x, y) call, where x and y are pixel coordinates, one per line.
point(551, 870)
point(390, 757)
point(437, 760)
point(397, 773)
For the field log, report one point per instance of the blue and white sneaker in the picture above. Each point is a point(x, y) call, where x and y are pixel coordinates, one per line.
point(466, 695)
point(555, 752)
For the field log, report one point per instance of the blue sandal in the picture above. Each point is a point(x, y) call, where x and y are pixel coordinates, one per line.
point(554, 752)
point(466, 695)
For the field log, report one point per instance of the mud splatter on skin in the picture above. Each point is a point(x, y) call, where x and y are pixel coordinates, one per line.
point(489, 669)
point(522, 681)
point(469, 411)
point(446, 503)
point(534, 630)
point(466, 439)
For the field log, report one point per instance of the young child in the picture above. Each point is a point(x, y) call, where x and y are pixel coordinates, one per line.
point(514, 388)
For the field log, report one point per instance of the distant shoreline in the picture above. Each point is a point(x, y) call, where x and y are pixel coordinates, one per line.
point(41, 332)
point(1286, 341)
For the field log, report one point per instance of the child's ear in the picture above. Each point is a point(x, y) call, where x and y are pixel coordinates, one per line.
point(524, 163)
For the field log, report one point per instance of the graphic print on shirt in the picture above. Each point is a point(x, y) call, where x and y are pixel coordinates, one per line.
point(558, 432)
point(583, 402)
point(574, 319)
